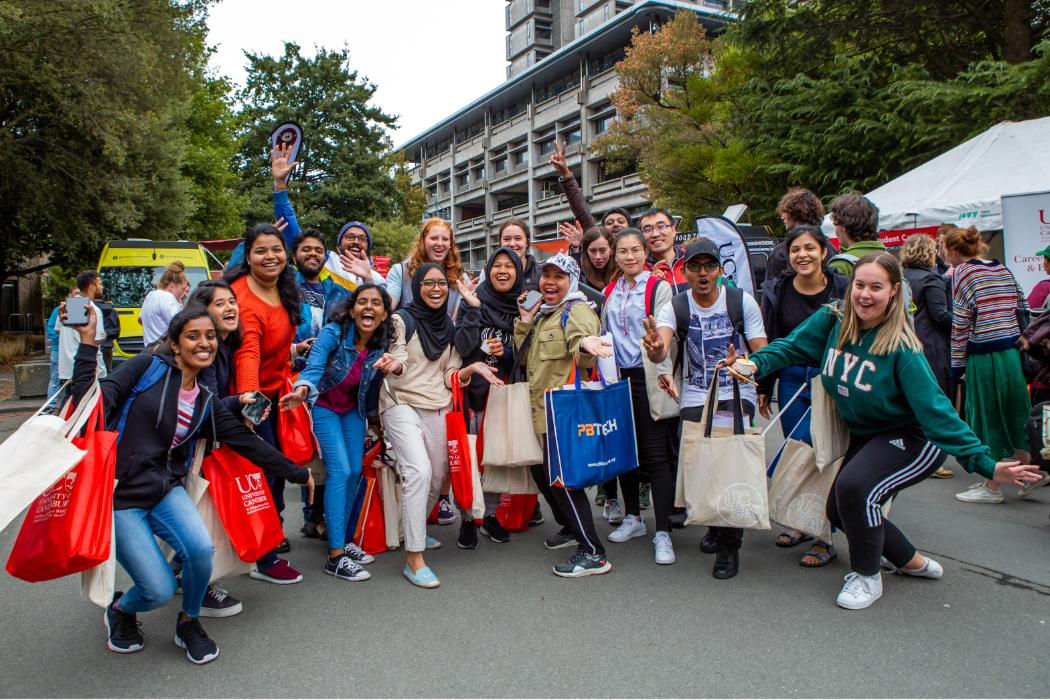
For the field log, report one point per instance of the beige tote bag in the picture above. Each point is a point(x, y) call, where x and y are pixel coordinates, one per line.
point(512, 480)
point(508, 419)
point(798, 492)
point(98, 584)
point(661, 405)
point(39, 453)
point(390, 496)
point(722, 472)
point(829, 432)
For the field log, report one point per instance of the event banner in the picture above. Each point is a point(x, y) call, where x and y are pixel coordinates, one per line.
point(1026, 231)
point(736, 265)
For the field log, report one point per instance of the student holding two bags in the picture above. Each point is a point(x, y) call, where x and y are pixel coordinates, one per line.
point(705, 321)
point(901, 425)
point(157, 426)
point(557, 334)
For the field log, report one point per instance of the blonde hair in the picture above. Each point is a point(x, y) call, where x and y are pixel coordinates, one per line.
point(418, 257)
point(175, 274)
point(919, 251)
point(967, 242)
point(895, 332)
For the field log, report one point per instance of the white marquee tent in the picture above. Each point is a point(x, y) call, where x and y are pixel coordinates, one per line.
point(964, 185)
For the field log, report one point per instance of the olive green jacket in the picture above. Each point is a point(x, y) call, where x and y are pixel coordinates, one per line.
point(551, 352)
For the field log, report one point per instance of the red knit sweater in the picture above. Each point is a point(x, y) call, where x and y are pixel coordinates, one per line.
point(263, 361)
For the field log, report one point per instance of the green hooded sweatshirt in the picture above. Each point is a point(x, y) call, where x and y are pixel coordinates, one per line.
point(877, 393)
point(858, 250)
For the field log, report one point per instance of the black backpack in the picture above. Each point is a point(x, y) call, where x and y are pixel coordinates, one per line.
point(734, 307)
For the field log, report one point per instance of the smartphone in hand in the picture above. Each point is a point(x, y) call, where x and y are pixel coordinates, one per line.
point(531, 299)
point(254, 412)
point(76, 311)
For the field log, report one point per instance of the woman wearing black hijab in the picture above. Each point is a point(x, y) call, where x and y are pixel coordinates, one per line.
point(415, 396)
point(485, 333)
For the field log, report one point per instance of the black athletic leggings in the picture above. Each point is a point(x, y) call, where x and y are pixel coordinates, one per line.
point(570, 507)
point(651, 439)
point(874, 469)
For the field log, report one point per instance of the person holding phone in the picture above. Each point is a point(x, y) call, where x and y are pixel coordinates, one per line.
point(342, 383)
point(625, 309)
point(158, 427)
point(413, 401)
point(901, 425)
point(268, 299)
point(485, 333)
point(557, 333)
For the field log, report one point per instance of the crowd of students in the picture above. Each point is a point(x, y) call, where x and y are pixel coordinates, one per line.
point(382, 356)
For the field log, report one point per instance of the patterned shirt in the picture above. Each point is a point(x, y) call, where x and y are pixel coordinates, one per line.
point(187, 401)
point(985, 302)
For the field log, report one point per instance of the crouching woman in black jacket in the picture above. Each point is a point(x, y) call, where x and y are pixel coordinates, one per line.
point(159, 410)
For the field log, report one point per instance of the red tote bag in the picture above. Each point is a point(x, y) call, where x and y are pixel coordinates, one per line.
point(515, 511)
point(460, 463)
point(370, 534)
point(69, 527)
point(295, 431)
point(244, 502)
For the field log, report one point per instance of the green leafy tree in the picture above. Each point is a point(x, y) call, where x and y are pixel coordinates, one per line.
point(393, 237)
point(343, 171)
point(93, 102)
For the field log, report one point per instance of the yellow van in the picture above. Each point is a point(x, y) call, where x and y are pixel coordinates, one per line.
point(130, 270)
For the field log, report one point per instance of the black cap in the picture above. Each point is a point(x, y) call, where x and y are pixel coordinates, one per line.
point(702, 246)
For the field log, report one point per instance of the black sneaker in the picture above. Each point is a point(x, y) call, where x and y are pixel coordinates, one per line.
point(678, 516)
point(583, 564)
point(537, 516)
point(122, 629)
point(491, 528)
point(284, 547)
point(346, 568)
point(468, 535)
point(189, 635)
point(560, 540)
point(219, 603)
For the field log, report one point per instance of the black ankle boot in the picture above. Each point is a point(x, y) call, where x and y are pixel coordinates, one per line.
point(727, 562)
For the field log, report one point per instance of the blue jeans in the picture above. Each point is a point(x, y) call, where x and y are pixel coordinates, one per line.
point(342, 440)
point(795, 421)
point(176, 521)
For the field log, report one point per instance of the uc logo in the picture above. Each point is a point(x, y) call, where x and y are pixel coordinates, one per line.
point(249, 483)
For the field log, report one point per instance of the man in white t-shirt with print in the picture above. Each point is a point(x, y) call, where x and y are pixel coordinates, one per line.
point(711, 329)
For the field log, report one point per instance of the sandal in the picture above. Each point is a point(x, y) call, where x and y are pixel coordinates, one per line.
point(824, 558)
point(791, 539)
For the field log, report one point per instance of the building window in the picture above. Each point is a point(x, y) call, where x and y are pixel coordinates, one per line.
point(605, 13)
point(601, 125)
point(579, 29)
point(479, 173)
point(573, 136)
point(508, 46)
point(509, 13)
point(521, 158)
point(528, 33)
point(546, 147)
point(500, 164)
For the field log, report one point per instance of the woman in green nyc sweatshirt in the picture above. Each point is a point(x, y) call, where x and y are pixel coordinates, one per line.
point(901, 424)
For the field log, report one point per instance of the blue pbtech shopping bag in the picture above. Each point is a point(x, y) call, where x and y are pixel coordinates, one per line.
point(590, 434)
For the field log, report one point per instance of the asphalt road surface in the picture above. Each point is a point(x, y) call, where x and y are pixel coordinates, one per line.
point(502, 624)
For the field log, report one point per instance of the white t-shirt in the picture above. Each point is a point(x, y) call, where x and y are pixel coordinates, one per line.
point(710, 333)
point(69, 341)
point(158, 308)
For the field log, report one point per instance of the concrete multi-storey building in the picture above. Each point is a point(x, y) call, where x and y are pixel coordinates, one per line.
point(489, 160)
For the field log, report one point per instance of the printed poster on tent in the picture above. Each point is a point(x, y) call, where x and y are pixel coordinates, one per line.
point(1026, 231)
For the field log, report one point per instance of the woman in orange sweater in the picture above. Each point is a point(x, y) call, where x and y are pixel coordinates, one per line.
point(268, 296)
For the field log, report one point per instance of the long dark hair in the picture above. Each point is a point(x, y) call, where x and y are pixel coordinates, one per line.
point(287, 287)
point(587, 268)
point(204, 294)
point(343, 314)
point(177, 324)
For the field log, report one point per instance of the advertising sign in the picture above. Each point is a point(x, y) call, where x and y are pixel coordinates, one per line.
point(1026, 231)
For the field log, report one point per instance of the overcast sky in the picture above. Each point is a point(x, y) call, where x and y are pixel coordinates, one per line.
point(427, 58)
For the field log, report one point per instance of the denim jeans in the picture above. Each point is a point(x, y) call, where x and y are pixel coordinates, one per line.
point(342, 439)
point(176, 521)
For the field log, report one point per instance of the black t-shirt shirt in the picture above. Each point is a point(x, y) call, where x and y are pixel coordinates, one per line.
point(796, 307)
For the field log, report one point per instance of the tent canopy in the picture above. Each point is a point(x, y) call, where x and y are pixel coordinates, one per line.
point(964, 185)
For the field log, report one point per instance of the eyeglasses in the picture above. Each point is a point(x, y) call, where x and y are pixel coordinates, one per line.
point(431, 284)
point(706, 267)
point(659, 228)
point(359, 237)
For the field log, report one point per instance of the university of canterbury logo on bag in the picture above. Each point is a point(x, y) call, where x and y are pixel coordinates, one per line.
point(249, 483)
point(596, 429)
point(253, 495)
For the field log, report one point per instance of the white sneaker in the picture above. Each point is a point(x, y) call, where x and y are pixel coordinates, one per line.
point(1026, 490)
point(931, 569)
point(613, 511)
point(859, 591)
point(663, 549)
point(979, 493)
point(631, 527)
